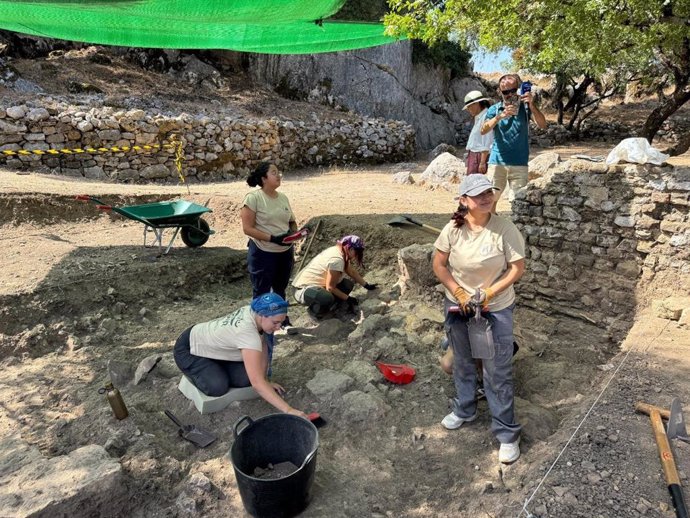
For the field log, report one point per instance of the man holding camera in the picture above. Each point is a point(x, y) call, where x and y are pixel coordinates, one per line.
point(509, 120)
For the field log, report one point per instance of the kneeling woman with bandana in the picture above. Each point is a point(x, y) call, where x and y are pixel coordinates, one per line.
point(232, 351)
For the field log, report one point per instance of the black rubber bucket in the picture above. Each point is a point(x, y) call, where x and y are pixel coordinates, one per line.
point(274, 439)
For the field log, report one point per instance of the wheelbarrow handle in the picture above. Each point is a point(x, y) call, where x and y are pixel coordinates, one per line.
point(104, 207)
point(82, 197)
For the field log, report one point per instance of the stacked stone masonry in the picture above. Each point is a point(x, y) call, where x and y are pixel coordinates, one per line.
point(215, 148)
point(600, 239)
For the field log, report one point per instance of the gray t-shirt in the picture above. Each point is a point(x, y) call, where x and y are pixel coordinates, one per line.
point(225, 337)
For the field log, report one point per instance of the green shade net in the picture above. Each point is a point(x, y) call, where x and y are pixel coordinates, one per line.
point(265, 26)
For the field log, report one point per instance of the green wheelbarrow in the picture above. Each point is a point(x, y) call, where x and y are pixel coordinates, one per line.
point(184, 216)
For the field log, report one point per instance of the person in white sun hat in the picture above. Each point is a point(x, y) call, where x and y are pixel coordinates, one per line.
point(478, 145)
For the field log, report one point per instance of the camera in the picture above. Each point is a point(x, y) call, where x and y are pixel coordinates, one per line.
point(525, 87)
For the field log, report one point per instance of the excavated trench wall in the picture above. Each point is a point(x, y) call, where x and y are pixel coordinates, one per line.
point(217, 148)
point(601, 240)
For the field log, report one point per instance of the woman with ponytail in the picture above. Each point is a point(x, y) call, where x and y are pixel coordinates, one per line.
point(267, 219)
point(479, 256)
point(323, 282)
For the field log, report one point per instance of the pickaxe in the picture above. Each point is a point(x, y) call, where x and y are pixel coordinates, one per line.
point(666, 455)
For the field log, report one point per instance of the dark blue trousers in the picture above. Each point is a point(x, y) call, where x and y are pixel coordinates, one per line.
point(269, 271)
point(212, 377)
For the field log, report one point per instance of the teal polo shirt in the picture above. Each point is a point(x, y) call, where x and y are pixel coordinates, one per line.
point(511, 137)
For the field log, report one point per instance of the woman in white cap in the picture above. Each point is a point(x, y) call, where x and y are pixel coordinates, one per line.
point(479, 256)
point(478, 145)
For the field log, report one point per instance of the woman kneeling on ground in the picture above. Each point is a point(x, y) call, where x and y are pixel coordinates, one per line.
point(322, 283)
point(232, 351)
point(479, 256)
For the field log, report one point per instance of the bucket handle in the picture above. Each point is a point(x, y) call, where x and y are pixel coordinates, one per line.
point(310, 456)
point(237, 424)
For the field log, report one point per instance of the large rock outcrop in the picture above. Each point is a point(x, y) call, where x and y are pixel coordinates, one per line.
point(379, 82)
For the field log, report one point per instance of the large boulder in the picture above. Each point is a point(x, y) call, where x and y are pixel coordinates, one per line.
point(445, 172)
point(86, 482)
point(540, 164)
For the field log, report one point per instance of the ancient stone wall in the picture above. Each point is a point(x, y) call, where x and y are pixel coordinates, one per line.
point(602, 240)
point(215, 148)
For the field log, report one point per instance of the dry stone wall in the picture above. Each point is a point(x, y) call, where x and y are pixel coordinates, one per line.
point(601, 240)
point(215, 148)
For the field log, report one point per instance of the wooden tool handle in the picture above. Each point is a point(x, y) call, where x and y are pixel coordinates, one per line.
point(667, 462)
point(646, 409)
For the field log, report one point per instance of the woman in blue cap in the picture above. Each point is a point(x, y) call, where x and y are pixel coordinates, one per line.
point(232, 351)
point(479, 256)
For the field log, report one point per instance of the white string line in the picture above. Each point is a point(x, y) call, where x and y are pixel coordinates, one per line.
point(527, 502)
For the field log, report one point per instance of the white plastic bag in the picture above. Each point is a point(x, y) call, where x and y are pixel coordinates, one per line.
point(636, 151)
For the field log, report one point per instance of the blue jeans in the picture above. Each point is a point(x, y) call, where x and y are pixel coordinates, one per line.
point(212, 377)
point(498, 372)
point(269, 271)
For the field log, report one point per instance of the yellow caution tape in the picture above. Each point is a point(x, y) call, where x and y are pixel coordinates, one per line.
point(114, 149)
point(176, 143)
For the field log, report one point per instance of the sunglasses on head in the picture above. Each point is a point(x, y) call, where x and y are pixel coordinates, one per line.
point(509, 92)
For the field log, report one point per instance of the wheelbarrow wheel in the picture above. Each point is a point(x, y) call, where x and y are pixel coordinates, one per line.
point(194, 237)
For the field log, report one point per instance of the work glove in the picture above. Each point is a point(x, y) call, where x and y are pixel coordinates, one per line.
point(483, 297)
point(352, 301)
point(464, 302)
point(278, 240)
point(370, 287)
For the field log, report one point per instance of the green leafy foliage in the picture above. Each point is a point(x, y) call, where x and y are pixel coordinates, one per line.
point(590, 38)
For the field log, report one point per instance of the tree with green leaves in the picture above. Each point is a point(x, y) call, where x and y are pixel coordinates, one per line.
point(586, 39)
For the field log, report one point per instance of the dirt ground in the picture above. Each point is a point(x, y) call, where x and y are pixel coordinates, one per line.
point(80, 291)
point(82, 300)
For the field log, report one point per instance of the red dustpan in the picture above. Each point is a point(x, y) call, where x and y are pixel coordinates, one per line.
point(400, 374)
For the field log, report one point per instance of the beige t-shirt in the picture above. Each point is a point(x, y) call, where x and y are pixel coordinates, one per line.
point(314, 274)
point(273, 216)
point(225, 337)
point(476, 260)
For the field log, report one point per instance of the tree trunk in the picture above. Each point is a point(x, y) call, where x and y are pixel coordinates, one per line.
point(577, 100)
point(680, 68)
point(654, 121)
point(558, 92)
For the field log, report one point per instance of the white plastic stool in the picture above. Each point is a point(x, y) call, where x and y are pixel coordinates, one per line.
point(208, 404)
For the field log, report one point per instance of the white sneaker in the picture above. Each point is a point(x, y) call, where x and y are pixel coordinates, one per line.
point(453, 422)
point(509, 452)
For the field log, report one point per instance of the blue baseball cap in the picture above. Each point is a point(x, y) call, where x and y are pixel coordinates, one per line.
point(269, 305)
point(474, 184)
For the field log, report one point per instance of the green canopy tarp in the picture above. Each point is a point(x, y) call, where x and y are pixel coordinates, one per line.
point(265, 26)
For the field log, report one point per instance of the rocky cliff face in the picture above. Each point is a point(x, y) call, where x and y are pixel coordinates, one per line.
point(380, 82)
